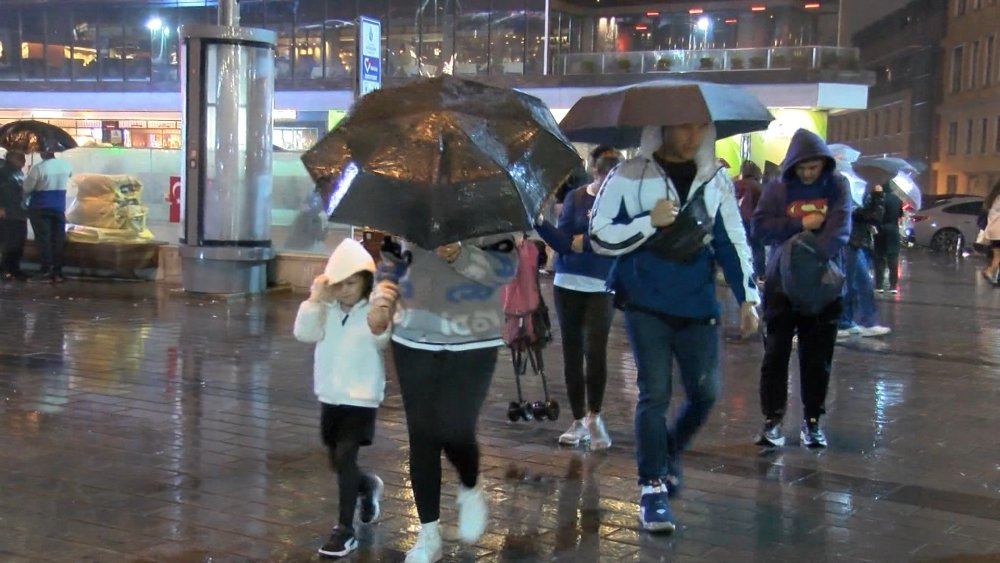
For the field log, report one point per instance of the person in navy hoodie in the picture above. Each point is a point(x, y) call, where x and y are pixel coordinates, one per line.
point(808, 196)
point(670, 305)
point(584, 308)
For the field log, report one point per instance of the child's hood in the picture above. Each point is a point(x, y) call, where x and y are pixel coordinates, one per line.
point(349, 258)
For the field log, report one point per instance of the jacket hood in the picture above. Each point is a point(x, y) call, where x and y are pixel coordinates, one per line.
point(806, 145)
point(652, 140)
point(349, 258)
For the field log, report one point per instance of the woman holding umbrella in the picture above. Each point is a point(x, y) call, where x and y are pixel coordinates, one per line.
point(444, 344)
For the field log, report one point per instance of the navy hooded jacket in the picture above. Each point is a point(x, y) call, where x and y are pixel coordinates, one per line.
point(787, 200)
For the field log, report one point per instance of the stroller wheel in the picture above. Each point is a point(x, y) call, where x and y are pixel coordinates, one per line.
point(539, 410)
point(513, 411)
point(553, 409)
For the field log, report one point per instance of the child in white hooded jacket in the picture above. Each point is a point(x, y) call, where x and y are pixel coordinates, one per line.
point(349, 377)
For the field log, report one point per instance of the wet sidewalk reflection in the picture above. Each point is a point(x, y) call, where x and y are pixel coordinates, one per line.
point(138, 424)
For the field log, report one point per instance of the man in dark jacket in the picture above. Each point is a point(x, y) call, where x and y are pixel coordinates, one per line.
point(13, 217)
point(809, 196)
point(860, 315)
point(887, 244)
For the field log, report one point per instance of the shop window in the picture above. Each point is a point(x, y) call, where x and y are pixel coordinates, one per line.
point(84, 44)
point(507, 43)
point(472, 38)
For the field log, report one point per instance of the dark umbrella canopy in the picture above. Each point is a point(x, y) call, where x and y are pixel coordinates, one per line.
point(617, 117)
point(441, 160)
point(30, 136)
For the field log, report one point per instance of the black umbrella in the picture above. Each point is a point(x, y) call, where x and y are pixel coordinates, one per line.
point(617, 117)
point(28, 136)
point(441, 160)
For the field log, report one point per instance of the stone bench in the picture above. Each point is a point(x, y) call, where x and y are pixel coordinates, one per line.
point(132, 261)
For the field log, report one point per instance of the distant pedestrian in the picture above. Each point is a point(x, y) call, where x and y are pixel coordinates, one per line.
point(45, 188)
point(585, 310)
point(748, 190)
point(860, 314)
point(992, 207)
point(887, 244)
point(348, 379)
point(809, 196)
point(13, 216)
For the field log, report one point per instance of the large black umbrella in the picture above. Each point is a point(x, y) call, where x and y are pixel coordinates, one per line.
point(441, 160)
point(894, 172)
point(28, 135)
point(617, 117)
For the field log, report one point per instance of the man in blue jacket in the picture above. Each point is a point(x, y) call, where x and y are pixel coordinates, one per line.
point(808, 196)
point(671, 311)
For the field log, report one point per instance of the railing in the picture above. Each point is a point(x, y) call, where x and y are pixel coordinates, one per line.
point(709, 60)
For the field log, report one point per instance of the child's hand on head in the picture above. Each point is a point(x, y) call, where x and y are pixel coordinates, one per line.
point(321, 290)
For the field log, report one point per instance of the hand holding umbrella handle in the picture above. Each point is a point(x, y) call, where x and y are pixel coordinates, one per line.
point(449, 252)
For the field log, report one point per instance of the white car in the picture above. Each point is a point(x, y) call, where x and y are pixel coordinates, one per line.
point(947, 224)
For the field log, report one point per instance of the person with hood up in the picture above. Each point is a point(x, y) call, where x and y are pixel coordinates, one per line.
point(13, 217)
point(748, 190)
point(809, 196)
point(860, 315)
point(670, 307)
point(445, 341)
point(348, 378)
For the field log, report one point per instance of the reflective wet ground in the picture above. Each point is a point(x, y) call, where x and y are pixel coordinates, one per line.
point(139, 424)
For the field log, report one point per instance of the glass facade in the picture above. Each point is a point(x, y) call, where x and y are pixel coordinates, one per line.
point(137, 41)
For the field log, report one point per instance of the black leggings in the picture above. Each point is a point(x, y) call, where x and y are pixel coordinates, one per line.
point(585, 322)
point(442, 395)
point(345, 429)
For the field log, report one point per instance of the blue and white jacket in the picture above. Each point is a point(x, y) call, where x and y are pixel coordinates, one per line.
point(620, 225)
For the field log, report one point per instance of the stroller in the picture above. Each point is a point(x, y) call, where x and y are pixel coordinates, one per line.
point(527, 329)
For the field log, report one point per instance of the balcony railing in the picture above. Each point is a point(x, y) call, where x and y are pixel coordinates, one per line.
point(709, 60)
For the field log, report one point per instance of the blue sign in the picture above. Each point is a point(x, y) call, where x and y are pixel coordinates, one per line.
point(370, 55)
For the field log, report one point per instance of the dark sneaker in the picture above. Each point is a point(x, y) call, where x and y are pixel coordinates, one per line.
point(771, 434)
point(369, 501)
point(673, 485)
point(812, 435)
point(654, 510)
point(341, 543)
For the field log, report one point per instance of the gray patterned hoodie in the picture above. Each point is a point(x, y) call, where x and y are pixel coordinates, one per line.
point(456, 306)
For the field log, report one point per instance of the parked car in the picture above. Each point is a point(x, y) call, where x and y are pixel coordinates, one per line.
point(946, 224)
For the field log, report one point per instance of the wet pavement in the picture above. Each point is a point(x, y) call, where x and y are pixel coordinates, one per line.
point(140, 424)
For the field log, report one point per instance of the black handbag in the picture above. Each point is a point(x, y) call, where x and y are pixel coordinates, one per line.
point(688, 234)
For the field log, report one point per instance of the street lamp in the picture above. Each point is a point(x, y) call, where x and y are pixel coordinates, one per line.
point(154, 24)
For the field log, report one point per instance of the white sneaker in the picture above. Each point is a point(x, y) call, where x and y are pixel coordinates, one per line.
point(428, 546)
point(577, 433)
point(472, 513)
point(876, 330)
point(599, 439)
point(848, 332)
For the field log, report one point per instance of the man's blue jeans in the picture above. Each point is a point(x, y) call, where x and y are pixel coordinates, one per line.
point(859, 290)
point(656, 343)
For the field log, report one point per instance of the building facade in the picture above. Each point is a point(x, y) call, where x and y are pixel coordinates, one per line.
point(903, 50)
point(969, 114)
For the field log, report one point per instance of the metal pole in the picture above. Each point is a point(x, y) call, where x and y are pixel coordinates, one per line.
point(229, 13)
point(545, 42)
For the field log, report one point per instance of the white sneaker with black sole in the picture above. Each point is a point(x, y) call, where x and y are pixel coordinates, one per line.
point(473, 513)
